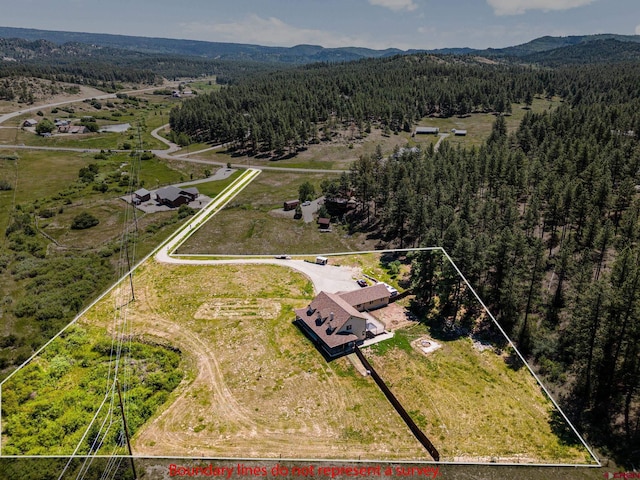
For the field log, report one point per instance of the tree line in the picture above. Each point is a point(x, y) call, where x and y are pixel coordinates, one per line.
point(286, 110)
point(545, 225)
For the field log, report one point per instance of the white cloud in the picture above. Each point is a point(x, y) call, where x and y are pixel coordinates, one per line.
point(516, 7)
point(395, 5)
point(273, 32)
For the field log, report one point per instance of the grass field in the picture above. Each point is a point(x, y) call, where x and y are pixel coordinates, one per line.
point(473, 404)
point(252, 374)
point(249, 225)
point(211, 189)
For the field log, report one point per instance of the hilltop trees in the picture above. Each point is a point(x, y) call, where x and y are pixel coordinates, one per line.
point(284, 110)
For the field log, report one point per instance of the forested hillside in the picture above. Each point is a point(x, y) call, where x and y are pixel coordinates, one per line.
point(544, 222)
point(289, 109)
point(102, 67)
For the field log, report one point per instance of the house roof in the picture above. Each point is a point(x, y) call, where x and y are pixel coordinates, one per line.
point(169, 193)
point(322, 307)
point(191, 191)
point(324, 221)
point(427, 129)
point(366, 294)
point(142, 192)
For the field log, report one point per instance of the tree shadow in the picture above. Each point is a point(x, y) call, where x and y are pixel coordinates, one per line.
point(513, 360)
point(561, 429)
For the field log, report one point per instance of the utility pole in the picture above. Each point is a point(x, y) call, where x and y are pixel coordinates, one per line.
point(126, 431)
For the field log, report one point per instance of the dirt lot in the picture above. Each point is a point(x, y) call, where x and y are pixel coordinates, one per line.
point(394, 316)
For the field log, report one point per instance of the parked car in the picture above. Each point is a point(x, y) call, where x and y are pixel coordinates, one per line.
point(306, 204)
point(283, 257)
point(362, 283)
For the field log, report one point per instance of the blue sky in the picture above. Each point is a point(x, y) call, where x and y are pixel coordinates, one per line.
point(376, 24)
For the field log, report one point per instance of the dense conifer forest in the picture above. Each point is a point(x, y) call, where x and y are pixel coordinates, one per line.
point(544, 222)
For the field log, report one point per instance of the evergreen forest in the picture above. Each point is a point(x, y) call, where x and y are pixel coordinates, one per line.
point(544, 221)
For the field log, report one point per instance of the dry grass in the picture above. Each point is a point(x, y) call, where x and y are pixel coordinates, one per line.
point(247, 226)
point(472, 404)
point(257, 387)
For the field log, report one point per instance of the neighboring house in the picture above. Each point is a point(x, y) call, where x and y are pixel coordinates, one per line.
point(324, 223)
point(73, 129)
point(173, 197)
point(29, 122)
point(291, 204)
point(142, 195)
point(426, 131)
point(335, 322)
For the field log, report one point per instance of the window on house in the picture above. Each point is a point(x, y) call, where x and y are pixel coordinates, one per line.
point(348, 327)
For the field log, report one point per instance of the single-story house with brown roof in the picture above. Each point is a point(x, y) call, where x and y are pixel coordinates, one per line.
point(73, 129)
point(335, 322)
point(368, 298)
point(174, 197)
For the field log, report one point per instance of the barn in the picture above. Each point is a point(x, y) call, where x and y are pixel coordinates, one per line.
point(427, 131)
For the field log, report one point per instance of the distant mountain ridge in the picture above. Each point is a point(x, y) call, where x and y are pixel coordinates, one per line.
point(198, 48)
point(537, 50)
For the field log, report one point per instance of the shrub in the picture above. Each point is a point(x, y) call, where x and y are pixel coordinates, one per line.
point(84, 220)
point(4, 185)
point(45, 126)
point(184, 211)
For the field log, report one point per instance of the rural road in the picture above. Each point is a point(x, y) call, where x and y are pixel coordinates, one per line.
point(7, 116)
point(324, 277)
point(437, 145)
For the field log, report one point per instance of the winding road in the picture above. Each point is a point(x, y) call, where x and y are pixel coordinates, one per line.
point(324, 277)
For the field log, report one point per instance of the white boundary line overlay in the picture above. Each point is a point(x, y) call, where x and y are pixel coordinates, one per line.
point(165, 254)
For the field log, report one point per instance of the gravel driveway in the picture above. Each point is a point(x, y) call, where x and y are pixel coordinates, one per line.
point(328, 278)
